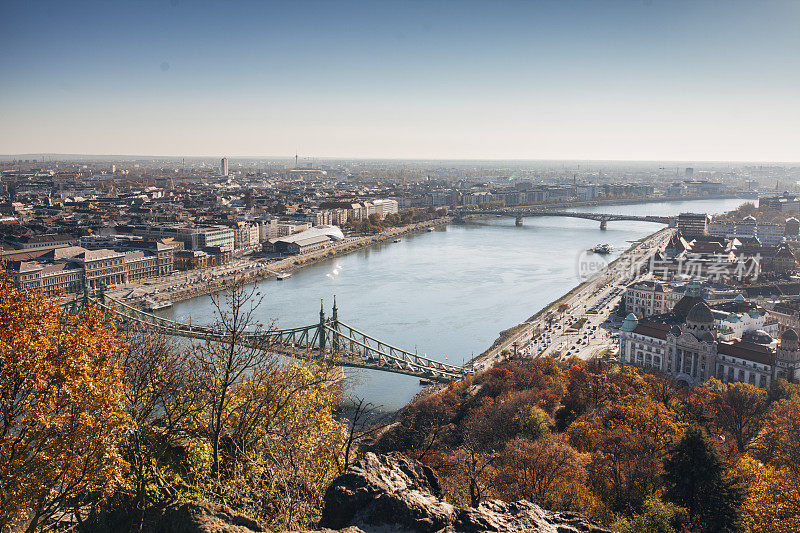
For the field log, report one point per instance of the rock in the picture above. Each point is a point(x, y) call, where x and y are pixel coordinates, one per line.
point(204, 517)
point(392, 493)
point(496, 515)
point(387, 489)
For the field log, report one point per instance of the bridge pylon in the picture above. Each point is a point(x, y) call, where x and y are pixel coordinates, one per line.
point(518, 221)
point(603, 224)
point(322, 327)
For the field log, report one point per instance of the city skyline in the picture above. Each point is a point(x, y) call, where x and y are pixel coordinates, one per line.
point(650, 81)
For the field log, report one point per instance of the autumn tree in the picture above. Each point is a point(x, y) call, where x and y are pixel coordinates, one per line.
point(364, 421)
point(656, 517)
point(738, 409)
point(629, 438)
point(62, 409)
point(773, 497)
point(220, 365)
point(773, 472)
point(161, 398)
point(534, 469)
point(696, 478)
point(477, 467)
point(286, 444)
point(272, 430)
point(778, 442)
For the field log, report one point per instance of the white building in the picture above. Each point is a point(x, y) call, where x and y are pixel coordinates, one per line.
point(289, 228)
point(768, 234)
point(385, 207)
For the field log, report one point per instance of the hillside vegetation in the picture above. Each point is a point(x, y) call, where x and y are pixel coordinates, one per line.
point(102, 430)
point(636, 451)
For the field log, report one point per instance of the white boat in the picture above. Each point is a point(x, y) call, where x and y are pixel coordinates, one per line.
point(283, 275)
point(429, 230)
point(156, 305)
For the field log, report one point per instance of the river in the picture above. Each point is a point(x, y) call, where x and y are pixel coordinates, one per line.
point(448, 293)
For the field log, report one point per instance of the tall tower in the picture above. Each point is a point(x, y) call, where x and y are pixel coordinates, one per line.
point(223, 166)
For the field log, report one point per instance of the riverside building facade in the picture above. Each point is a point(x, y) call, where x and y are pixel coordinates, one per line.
point(694, 343)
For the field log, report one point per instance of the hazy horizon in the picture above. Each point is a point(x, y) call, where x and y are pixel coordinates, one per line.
point(442, 81)
point(309, 158)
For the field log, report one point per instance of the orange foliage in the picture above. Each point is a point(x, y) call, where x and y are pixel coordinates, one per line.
point(62, 408)
point(773, 501)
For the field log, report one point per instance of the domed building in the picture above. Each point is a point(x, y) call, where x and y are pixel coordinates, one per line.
point(695, 342)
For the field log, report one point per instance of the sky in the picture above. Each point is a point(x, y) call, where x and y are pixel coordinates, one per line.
point(602, 80)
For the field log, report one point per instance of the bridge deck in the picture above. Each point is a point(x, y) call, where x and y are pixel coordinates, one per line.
point(330, 340)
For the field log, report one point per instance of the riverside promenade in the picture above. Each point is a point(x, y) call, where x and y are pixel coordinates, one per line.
point(184, 285)
point(600, 293)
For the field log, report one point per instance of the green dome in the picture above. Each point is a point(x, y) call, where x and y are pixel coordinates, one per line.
point(754, 313)
point(739, 299)
point(630, 322)
point(733, 317)
point(693, 289)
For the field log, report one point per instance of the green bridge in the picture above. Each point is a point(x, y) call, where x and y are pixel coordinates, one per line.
point(327, 340)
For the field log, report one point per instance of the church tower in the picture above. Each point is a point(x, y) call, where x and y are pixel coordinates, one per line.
point(787, 361)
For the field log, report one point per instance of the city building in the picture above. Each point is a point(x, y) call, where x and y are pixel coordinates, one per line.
point(193, 237)
point(694, 343)
point(693, 224)
point(162, 251)
point(645, 298)
point(310, 240)
point(223, 166)
point(786, 203)
point(385, 207)
point(67, 270)
point(748, 228)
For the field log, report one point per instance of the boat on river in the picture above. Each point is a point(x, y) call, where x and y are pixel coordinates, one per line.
point(602, 249)
point(283, 275)
point(155, 305)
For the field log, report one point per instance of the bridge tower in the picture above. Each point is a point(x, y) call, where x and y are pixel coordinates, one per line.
point(518, 221)
point(603, 224)
point(335, 319)
point(321, 329)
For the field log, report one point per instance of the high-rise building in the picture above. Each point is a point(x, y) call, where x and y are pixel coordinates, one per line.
point(223, 166)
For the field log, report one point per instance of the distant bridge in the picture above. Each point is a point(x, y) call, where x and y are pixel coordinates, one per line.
point(519, 213)
point(328, 340)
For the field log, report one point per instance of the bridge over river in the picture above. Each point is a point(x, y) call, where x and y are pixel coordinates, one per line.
point(328, 340)
point(519, 213)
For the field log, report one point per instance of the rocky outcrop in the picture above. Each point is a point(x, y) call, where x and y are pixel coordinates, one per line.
point(495, 515)
point(384, 493)
point(204, 517)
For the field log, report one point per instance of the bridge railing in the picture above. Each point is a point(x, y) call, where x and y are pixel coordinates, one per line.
point(345, 344)
point(369, 342)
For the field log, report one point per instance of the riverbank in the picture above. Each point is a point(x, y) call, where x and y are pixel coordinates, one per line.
point(523, 332)
point(252, 271)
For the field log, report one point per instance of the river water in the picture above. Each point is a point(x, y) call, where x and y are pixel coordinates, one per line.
point(448, 293)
